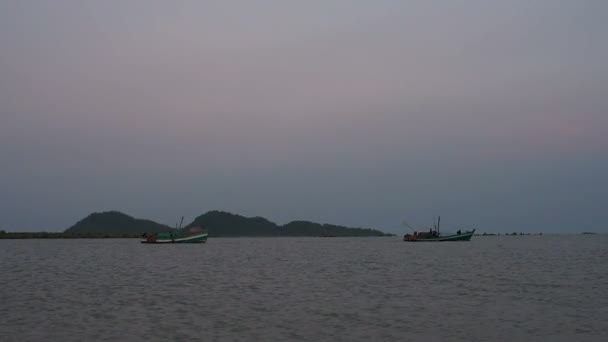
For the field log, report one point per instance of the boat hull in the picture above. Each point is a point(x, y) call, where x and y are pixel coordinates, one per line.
point(200, 238)
point(466, 236)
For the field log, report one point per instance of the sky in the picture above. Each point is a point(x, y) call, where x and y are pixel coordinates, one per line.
point(492, 114)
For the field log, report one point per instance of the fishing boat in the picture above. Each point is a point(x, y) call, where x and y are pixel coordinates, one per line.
point(435, 235)
point(193, 235)
point(174, 237)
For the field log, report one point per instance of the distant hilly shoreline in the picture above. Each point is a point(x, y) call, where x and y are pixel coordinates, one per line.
point(220, 223)
point(115, 224)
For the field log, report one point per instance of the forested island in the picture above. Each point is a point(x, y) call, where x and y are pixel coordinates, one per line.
point(114, 224)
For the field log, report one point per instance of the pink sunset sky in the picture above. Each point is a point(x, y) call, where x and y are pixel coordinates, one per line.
point(364, 113)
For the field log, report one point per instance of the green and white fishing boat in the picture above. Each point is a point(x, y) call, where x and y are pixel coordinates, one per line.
point(194, 235)
point(171, 237)
point(434, 235)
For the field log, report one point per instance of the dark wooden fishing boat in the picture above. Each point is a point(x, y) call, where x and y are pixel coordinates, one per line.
point(434, 235)
point(424, 237)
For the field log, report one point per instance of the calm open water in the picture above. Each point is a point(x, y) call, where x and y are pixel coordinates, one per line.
point(531, 288)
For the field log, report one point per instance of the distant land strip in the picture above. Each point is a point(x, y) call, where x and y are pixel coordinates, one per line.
point(114, 224)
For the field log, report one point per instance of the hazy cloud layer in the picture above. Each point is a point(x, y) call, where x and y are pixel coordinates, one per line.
point(363, 113)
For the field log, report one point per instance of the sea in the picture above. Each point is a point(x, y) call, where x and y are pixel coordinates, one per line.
point(493, 288)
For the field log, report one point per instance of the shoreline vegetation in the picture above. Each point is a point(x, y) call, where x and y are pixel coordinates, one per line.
point(114, 224)
point(507, 234)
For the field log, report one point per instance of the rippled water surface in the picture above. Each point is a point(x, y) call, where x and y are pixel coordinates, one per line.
point(532, 288)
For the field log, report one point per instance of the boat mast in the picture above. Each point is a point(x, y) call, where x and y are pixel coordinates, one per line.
point(438, 221)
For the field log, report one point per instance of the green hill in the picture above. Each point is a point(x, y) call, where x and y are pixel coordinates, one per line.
point(114, 223)
point(306, 228)
point(219, 223)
